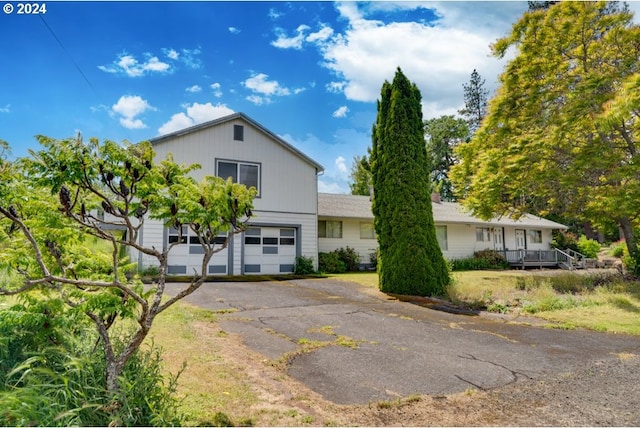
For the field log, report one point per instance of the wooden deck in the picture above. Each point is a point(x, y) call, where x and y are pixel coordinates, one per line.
point(567, 259)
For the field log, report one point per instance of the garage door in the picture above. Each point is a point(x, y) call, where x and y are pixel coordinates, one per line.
point(186, 257)
point(269, 250)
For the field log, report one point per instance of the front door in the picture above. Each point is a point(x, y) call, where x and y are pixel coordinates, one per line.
point(521, 242)
point(497, 239)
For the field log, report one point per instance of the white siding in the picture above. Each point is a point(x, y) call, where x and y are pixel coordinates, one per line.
point(287, 182)
point(351, 238)
point(461, 240)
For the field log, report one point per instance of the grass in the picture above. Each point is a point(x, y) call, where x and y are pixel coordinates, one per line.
point(213, 393)
point(595, 301)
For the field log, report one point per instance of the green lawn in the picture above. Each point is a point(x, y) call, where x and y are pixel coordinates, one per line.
point(567, 300)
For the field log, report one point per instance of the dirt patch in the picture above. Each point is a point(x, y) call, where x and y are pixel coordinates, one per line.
point(605, 393)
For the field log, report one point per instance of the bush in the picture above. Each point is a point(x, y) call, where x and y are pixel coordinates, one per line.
point(563, 240)
point(481, 260)
point(339, 261)
point(53, 369)
point(588, 247)
point(304, 266)
point(331, 263)
point(618, 249)
point(350, 258)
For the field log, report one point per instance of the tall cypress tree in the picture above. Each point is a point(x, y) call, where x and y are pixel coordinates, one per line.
point(411, 262)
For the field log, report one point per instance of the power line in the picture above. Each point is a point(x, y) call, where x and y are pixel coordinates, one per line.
point(84, 76)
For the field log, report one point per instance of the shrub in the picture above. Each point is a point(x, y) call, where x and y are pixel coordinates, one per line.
point(481, 260)
point(331, 263)
point(52, 374)
point(564, 240)
point(350, 258)
point(304, 266)
point(588, 247)
point(339, 261)
point(618, 249)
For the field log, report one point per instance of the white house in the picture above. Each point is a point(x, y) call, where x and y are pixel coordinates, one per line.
point(347, 220)
point(284, 224)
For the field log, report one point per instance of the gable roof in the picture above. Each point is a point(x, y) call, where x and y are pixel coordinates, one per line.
point(319, 168)
point(359, 207)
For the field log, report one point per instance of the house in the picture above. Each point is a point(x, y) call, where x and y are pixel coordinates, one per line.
point(347, 220)
point(284, 224)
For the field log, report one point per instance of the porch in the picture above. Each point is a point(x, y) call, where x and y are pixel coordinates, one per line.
point(567, 259)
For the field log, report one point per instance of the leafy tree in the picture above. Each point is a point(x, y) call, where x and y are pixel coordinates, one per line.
point(443, 134)
point(476, 97)
point(50, 205)
point(410, 259)
point(561, 133)
point(361, 180)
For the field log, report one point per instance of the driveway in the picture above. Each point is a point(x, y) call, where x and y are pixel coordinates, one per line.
point(355, 345)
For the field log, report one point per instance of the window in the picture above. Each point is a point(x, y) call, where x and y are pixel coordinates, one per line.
point(329, 229)
point(535, 236)
point(441, 235)
point(483, 234)
point(238, 133)
point(240, 172)
point(252, 236)
point(366, 231)
point(174, 236)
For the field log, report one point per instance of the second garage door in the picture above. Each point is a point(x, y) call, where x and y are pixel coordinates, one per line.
point(269, 250)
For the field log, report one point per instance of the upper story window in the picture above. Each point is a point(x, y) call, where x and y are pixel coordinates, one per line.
point(240, 172)
point(238, 133)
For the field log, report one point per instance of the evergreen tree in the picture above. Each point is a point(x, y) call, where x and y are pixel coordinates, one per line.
point(411, 262)
point(475, 101)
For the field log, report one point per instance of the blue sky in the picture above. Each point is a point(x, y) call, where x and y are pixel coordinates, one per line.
point(311, 72)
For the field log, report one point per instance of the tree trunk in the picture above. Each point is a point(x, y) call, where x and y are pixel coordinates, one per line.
point(630, 239)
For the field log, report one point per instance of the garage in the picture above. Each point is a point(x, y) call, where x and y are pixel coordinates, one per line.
point(186, 257)
point(269, 250)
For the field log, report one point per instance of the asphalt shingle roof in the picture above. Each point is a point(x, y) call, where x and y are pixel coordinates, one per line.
point(355, 206)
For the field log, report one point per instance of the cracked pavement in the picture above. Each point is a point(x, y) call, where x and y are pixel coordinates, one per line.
point(371, 347)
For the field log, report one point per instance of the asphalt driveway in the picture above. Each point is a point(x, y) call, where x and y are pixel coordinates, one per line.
point(369, 347)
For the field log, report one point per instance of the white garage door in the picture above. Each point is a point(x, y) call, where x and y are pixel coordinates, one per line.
point(186, 258)
point(269, 250)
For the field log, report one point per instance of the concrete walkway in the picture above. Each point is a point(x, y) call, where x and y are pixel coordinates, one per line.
point(369, 347)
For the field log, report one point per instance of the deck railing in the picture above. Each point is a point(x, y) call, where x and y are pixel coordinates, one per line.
point(567, 259)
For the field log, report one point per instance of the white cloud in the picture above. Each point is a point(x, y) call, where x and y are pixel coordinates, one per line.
point(129, 65)
point(326, 186)
point(194, 89)
point(323, 34)
point(263, 89)
point(195, 114)
point(341, 112)
point(128, 108)
point(5, 109)
point(295, 42)
point(341, 166)
point(217, 89)
point(438, 55)
point(189, 57)
point(171, 54)
point(234, 30)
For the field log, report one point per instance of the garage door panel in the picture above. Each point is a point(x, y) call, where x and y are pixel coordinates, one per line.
point(270, 250)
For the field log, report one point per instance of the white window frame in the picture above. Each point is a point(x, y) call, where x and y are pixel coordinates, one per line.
point(483, 234)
